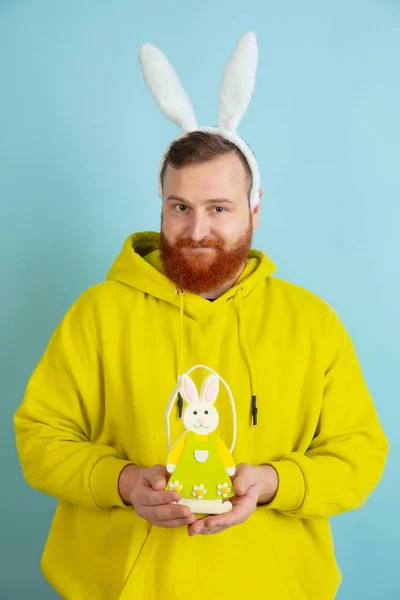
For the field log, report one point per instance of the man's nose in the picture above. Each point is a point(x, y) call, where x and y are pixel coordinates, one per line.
point(199, 228)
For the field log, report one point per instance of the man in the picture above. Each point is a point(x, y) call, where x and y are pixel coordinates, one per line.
point(90, 430)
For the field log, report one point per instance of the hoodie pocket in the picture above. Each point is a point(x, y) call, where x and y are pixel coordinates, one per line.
point(238, 563)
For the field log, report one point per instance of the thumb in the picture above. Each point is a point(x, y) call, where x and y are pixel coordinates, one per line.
point(158, 480)
point(243, 480)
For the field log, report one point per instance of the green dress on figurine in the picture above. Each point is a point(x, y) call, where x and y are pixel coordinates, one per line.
point(200, 472)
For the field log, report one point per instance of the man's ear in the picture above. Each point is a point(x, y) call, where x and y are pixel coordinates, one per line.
point(255, 212)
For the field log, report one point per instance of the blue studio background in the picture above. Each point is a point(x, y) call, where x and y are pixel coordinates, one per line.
point(80, 142)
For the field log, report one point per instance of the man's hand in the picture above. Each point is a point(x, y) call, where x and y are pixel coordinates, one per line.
point(252, 485)
point(144, 490)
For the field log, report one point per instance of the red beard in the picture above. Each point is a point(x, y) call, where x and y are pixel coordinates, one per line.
point(198, 273)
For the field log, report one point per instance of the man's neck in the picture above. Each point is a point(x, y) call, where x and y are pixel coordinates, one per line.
point(213, 295)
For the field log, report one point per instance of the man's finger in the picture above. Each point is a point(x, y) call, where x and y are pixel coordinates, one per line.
point(216, 523)
point(243, 480)
point(247, 502)
point(187, 521)
point(157, 477)
point(237, 515)
point(158, 482)
point(166, 512)
point(149, 497)
point(199, 526)
point(242, 508)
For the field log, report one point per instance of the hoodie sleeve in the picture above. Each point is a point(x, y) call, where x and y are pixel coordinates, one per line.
point(63, 401)
point(347, 456)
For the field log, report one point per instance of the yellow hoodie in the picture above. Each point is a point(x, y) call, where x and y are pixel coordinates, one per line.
point(96, 402)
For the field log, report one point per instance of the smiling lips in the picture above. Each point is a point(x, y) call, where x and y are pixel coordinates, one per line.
point(198, 426)
point(199, 249)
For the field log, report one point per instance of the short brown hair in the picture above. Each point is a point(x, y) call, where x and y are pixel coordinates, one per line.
point(201, 146)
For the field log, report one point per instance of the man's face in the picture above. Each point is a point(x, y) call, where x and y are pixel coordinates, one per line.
point(207, 224)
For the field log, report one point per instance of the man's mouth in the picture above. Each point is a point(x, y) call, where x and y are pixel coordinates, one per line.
point(199, 248)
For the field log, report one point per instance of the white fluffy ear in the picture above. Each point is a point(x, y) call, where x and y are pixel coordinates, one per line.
point(188, 389)
point(209, 389)
point(238, 83)
point(166, 88)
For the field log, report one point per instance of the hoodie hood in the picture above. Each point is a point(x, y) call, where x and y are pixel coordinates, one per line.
point(139, 265)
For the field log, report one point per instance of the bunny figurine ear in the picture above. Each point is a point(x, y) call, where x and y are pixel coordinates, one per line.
point(165, 86)
point(188, 389)
point(209, 389)
point(238, 83)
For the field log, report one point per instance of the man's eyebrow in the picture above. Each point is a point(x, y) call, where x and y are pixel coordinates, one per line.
point(210, 201)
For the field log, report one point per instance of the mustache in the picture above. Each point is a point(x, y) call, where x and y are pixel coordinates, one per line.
point(189, 243)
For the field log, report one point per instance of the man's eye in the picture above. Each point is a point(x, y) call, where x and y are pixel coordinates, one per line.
point(219, 209)
point(179, 207)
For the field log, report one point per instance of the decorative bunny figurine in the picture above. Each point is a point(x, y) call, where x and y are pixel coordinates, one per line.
point(200, 461)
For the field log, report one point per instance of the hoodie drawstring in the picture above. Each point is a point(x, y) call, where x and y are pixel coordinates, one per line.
point(180, 292)
point(246, 351)
point(245, 346)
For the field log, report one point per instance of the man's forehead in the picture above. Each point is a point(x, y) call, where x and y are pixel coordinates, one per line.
point(222, 179)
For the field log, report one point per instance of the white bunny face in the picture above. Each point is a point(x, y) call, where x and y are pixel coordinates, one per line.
point(200, 418)
point(200, 415)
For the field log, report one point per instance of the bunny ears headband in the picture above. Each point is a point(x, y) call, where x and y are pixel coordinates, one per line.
point(235, 94)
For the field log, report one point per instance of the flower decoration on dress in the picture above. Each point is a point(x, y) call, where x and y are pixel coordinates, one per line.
point(223, 490)
point(175, 486)
point(199, 492)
